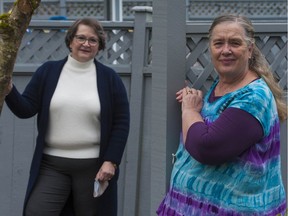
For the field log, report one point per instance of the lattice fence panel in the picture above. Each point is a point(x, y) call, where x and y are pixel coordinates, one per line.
point(39, 46)
point(118, 47)
point(201, 74)
point(149, 42)
point(47, 9)
point(85, 9)
point(206, 9)
point(275, 50)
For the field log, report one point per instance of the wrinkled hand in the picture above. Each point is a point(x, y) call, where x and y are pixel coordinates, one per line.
point(190, 98)
point(106, 172)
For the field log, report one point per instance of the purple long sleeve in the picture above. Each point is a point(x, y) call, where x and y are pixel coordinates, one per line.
point(230, 135)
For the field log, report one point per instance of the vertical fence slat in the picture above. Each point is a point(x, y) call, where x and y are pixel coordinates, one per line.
point(142, 15)
point(168, 74)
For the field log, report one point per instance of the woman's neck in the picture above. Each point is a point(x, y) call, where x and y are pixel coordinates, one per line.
point(230, 84)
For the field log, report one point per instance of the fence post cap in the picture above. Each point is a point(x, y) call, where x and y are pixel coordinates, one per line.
point(148, 9)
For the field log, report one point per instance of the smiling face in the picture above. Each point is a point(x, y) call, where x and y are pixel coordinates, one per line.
point(84, 52)
point(230, 51)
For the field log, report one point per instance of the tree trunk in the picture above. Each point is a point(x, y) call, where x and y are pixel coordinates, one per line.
point(13, 26)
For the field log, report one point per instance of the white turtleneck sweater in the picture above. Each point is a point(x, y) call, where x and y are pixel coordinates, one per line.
point(74, 119)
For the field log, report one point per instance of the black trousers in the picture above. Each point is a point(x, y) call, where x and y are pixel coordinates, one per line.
point(59, 178)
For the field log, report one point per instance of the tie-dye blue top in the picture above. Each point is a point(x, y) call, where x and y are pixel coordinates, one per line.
point(249, 185)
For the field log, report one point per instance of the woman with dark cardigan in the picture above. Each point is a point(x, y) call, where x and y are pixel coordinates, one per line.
point(83, 123)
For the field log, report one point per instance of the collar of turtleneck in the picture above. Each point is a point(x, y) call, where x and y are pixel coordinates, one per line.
point(77, 64)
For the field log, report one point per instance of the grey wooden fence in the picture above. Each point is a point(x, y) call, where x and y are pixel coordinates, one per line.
point(195, 9)
point(152, 65)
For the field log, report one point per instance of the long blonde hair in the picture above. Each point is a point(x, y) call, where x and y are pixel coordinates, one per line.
point(257, 63)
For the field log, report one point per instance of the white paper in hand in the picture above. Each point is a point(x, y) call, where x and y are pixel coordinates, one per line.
point(99, 187)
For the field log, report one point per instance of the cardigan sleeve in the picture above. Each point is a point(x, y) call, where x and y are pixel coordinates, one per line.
point(25, 105)
point(115, 114)
point(38, 91)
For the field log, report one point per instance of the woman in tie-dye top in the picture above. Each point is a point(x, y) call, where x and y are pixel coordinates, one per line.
point(228, 160)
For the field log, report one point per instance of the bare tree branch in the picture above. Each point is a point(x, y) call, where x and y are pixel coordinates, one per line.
point(13, 26)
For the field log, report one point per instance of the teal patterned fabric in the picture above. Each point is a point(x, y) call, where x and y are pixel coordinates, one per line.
point(251, 185)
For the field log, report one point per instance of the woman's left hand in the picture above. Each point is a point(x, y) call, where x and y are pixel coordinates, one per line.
point(192, 99)
point(106, 172)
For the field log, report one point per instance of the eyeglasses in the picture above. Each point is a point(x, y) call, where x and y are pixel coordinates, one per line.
point(82, 39)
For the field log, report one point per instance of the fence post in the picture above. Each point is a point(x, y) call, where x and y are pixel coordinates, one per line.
point(142, 16)
point(168, 74)
point(63, 8)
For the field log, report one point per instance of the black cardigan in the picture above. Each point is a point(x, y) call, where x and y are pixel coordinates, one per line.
point(36, 99)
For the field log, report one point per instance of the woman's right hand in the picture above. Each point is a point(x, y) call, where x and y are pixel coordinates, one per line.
point(9, 87)
point(6, 81)
point(179, 95)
